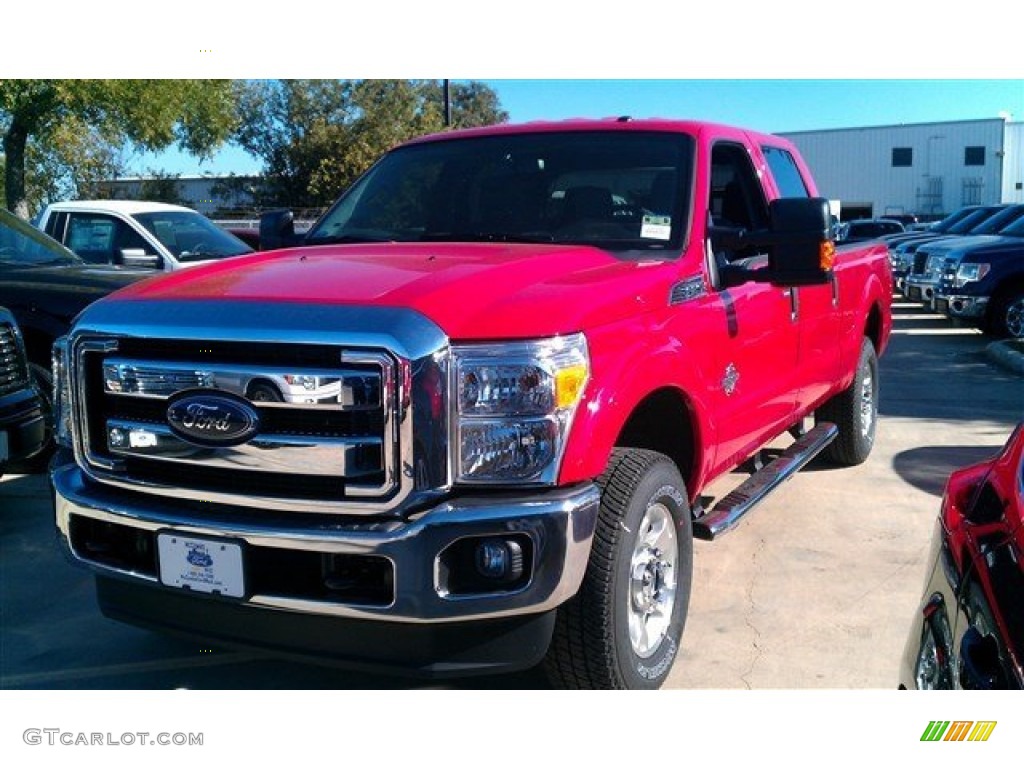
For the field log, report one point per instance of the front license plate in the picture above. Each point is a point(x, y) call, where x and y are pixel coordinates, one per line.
point(942, 306)
point(202, 565)
point(913, 292)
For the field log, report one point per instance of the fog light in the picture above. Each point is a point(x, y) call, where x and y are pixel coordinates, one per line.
point(500, 560)
point(117, 438)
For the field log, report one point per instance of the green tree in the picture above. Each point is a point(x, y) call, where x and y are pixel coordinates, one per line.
point(50, 125)
point(315, 137)
point(162, 187)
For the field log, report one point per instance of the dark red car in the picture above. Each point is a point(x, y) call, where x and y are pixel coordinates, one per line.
point(969, 630)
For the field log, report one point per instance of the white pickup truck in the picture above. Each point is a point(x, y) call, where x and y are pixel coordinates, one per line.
point(138, 233)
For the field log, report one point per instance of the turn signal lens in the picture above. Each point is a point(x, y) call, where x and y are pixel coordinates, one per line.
point(827, 256)
point(569, 383)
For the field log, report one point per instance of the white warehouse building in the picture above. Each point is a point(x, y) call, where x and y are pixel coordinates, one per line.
point(928, 169)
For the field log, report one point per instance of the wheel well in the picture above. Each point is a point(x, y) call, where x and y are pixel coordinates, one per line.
point(873, 329)
point(663, 422)
point(261, 382)
point(1007, 288)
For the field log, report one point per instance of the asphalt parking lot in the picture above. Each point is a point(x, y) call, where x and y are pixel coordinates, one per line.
point(815, 589)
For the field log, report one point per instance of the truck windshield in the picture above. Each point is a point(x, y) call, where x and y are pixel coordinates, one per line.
point(190, 236)
point(1014, 230)
point(618, 190)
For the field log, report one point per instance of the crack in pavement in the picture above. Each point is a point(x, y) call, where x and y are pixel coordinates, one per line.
point(748, 620)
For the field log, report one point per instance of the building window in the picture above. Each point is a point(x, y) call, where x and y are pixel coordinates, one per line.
point(974, 155)
point(902, 157)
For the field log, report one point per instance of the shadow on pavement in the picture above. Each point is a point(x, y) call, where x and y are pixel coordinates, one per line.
point(928, 468)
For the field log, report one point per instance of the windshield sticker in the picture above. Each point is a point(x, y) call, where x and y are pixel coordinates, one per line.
point(656, 227)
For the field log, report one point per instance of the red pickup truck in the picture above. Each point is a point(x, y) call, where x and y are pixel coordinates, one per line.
point(542, 342)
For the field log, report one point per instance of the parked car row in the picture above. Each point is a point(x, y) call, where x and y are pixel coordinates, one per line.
point(971, 271)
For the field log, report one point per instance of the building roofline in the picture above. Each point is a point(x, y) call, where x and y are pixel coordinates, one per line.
point(895, 125)
point(193, 177)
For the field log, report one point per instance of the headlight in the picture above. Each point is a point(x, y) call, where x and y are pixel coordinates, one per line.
point(61, 393)
point(514, 405)
point(897, 258)
point(306, 382)
point(970, 273)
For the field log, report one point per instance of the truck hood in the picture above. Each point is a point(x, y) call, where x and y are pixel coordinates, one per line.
point(475, 291)
point(975, 245)
point(62, 289)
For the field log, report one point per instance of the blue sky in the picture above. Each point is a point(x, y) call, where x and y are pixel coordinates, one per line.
point(766, 105)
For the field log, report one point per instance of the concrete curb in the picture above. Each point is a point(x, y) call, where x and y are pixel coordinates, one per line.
point(1007, 354)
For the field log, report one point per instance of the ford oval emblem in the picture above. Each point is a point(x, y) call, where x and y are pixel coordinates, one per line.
point(212, 420)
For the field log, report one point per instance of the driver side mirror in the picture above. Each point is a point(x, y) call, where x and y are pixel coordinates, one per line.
point(801, 251)
point(277, 230)
point(137, 257)
point(798, 243)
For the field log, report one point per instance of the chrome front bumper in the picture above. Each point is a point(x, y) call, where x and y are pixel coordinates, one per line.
point(559, 523)
point(919, 289)
point(961, 306)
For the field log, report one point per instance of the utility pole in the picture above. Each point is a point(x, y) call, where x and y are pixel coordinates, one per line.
point(447, 104)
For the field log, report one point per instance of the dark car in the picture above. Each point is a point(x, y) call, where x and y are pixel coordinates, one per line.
point(44, 285)
point(906, 219)
point(968, 631)
point(935, 228)
point(868, 229)
point(22, 423)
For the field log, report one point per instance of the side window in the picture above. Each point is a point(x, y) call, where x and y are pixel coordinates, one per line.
point(99, 239)
point(737, 200)
point(55, 225)
point(785, 171)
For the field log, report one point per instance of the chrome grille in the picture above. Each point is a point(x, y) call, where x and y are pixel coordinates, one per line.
point(326, 415)
point(13, 368)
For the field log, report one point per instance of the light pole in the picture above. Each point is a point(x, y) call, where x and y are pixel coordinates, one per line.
point(447, 104)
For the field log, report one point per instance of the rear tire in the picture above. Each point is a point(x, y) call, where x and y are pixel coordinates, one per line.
point(855, 412)
point(623, 629)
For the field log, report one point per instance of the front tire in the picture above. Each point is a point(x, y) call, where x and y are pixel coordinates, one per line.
point(855, 412)
point(623, 629)
point(264, 393)
point(1008, 316)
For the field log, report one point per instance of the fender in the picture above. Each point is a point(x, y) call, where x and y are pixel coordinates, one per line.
point(855, 311)
point(629, 364)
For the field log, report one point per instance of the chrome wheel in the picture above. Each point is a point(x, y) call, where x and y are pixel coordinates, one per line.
point(652, 580)
point(1015, 318)
point(867, 405)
